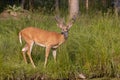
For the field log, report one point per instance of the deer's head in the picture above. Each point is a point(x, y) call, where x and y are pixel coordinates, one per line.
point(64, 27)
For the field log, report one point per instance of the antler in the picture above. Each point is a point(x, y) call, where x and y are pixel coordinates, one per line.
point(71, 22)
point(59, 20)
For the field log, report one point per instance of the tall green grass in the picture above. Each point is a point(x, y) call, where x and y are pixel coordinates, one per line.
point(93, 48)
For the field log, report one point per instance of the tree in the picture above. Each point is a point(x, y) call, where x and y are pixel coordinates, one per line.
point(87, 5)
point(73, 8)
point(104, 3)
point(30, 4)
point(22, 4)
point(117, 7)
point(57, 7)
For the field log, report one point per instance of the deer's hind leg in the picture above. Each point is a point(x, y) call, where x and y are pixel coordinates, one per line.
point(24, 49)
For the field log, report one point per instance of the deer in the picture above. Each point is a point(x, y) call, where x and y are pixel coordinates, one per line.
point(48, 39)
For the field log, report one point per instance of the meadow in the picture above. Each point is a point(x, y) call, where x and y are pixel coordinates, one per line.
point(92, 48)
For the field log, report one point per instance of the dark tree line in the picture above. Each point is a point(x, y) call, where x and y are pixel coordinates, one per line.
point(25, 4)
point(58, 5)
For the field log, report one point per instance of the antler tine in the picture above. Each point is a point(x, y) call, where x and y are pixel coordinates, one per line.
point(73, 18)
point(59, 20)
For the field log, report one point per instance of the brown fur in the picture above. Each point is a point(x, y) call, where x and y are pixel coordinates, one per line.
point(38, 36)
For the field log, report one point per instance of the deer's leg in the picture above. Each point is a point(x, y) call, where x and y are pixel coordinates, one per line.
point(54, 54)
point(24, 53)
point(29, 53)
point(47, 54)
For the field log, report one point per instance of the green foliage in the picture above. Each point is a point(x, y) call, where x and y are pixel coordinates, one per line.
point(13, 8)
point(92, 48)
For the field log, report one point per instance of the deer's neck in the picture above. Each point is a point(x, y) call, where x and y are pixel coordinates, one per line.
point(65, 33)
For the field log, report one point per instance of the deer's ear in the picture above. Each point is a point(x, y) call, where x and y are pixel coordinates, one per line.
point(59, 25)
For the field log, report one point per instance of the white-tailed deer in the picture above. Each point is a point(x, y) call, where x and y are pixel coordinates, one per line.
point(47, 39)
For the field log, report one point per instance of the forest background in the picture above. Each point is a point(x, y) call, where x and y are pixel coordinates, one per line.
point(92, 49)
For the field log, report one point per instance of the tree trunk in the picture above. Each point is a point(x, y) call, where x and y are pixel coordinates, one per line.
point(73, 8)
point(22, 4)
point(104, 2)
point(87, 5)
point(57, 7)
point(31, 3)
point(117, 7)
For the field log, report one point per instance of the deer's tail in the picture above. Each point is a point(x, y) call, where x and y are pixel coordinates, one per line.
point(20, 38)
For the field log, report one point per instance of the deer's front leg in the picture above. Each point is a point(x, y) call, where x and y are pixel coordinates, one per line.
point(29, 53)
point(54, 54)
point(47, 51)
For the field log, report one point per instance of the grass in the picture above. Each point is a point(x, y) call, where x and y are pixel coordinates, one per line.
point(93, 48)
